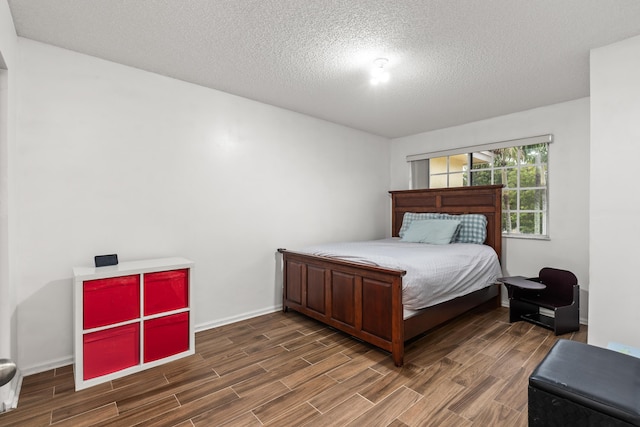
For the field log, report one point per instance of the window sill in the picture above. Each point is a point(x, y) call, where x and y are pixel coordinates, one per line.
point(526, 237)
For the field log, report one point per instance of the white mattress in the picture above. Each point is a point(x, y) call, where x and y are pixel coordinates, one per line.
point(435, 273)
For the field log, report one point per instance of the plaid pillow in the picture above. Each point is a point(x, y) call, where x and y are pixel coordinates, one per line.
point(473, 228)
point(412, 216)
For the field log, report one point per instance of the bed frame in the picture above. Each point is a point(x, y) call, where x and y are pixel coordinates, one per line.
point(366, 301)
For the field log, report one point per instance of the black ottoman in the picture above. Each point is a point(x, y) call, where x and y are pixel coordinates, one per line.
point(582, 385)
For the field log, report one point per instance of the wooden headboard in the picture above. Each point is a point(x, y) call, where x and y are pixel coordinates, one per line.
point(486, 200)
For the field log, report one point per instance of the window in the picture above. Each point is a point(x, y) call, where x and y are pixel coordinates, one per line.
point(522, 169)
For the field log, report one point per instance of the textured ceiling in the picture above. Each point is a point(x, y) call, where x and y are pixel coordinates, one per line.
point(451, 61)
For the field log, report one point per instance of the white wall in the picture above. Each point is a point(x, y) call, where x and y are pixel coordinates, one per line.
point(615, 201)
point(112, 159)
point(8, 42)
point(568, 182)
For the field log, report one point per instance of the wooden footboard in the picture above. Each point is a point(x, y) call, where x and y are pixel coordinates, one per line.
point(366, 301)
point(363, 301)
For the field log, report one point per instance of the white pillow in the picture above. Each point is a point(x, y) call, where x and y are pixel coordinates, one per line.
point(434, 231)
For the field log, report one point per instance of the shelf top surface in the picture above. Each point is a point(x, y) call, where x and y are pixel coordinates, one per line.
point(521, 282)
point(132, 267)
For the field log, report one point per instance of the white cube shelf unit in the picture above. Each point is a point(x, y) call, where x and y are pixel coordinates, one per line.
point(130, 317)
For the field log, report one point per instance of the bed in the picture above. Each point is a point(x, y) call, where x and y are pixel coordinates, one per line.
point(365, 300)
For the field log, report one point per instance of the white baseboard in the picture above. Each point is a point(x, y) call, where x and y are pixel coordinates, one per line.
point(238, 318)
point(10, 392)
point(52, 364)
point(64, 361)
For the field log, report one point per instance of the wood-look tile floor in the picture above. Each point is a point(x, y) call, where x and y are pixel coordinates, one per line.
point(284, 369)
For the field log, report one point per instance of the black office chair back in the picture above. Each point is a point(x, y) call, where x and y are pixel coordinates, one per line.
point(559, 283)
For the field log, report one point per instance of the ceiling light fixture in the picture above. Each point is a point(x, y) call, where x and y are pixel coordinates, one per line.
point(378, 73)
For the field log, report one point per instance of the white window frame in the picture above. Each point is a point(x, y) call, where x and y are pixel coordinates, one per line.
point(419, 170)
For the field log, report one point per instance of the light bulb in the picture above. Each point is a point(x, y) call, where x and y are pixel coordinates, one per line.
point(378, 73)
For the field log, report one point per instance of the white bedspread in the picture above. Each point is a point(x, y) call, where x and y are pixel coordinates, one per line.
point(435, 273)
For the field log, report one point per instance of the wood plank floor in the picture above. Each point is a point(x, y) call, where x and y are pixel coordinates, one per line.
point(284, 369)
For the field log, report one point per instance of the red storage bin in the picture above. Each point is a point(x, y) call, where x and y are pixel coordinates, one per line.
point(108, 301)
point(166, 291)
point(166, 336)
point(111, 350)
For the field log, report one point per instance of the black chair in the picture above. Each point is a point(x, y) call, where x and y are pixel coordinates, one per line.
point(561, 295)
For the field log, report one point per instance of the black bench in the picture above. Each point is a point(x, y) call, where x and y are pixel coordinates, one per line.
point(578, 384)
